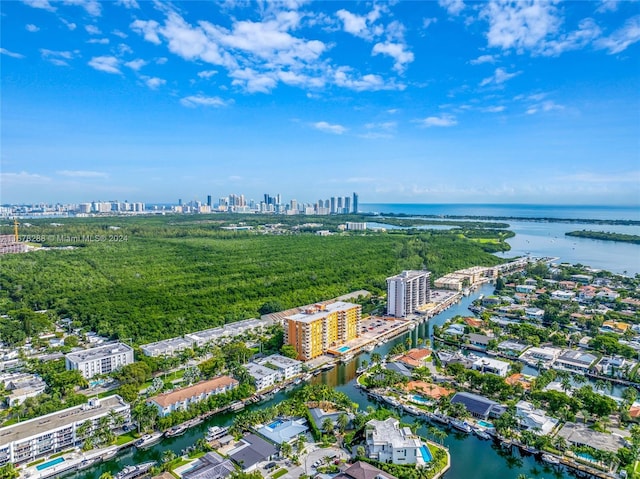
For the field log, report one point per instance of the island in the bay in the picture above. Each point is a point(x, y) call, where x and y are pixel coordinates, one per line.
point(125, 332)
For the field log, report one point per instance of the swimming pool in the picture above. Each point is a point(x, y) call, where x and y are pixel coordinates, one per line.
point(486, 424)
point(419, 399)
point(426, 453)
point(50, 463)
point(344, 349)
point(275, 424)
point(586, 456)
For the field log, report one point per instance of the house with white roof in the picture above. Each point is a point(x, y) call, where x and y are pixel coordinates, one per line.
point(546, 355)
point(534, 419)
point(388, 442)
point(560, 295)
point(493, 366)
point(572, 360)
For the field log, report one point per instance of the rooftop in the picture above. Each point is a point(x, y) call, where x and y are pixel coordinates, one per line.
point(59, 419)
point(167, 399)
point(475, 404)
point(577, 357)
point(100, 352)
point(252, 450)
point(364, 470)
point(259, 371)
point(581, 435)
point(389, 432)
point(320, 311)
point(280, 361)
point(284, 431)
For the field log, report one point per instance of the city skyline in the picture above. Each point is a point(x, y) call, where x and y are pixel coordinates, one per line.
point(413, 102)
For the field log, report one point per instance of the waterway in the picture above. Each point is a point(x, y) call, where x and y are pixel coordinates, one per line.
point(471, 457)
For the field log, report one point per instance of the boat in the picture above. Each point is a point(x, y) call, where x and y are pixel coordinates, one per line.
point(550, 459)
point(345, 359)
point(327, 367)
point(440, 418)
point(411, 410)
point(530, 449)
point(462, 426)
point(481, 433)
point(307, 376)
point(492, 353)
point(411, 326)
point(237, 406)
point(360, 370)
point(131, 472)
point(369, 347)
point(87, 463)
point(148, 440)
point(109, 453)
point(178, 430)
point(216, 432)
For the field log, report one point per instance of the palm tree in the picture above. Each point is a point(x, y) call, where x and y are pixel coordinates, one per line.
point(106, 475)
point(342, 421)
point(300, 443)
point(327, 426)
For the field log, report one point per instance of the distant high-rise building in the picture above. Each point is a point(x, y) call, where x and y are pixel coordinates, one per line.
point(333, 204)
point(179, 201)
point(347, 204)
point(209, 204)
point(339, 210)
point(406, 292)
point(355, 202)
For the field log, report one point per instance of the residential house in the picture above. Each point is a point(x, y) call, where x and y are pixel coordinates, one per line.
point(478, 406)
point(607, 294)
point(525, 288)
point(493, 366)
point(415, 358)
point(535, 355)
point(534, 419)
point(479, 340)
point(251, 451)
point(534, 314)
point(284, 430)
point(572, 360)
point(560, 295)
point(388, 442)
point(181, 399)
point(363, 470)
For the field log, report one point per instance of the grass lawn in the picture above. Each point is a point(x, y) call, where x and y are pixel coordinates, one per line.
point(125, 438)
point(279, 473)
point(197, 455)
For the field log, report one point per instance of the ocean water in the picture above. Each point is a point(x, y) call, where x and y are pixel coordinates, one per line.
point(631, 212)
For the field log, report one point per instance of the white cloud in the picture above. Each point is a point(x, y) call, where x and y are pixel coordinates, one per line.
point(149, 29)
point(154, 82)
point(23, 177)
point(43, 4)
point(253, 81)
point(329, 128)
point(201, 100)
point(361, 25)
point(544, 107)
point(619, 40)
point(370, 82)
point(82, 174)
point(608, 6)
point(426, 22)
point(92, 7)
point(136, 64)
point(499, 77)
point(32, 28)
point(92, 30)
point(99, 41)
point(207, 73)
point(120, 34)
point(123, 49)
point(586, 33)
point(494, 109)
point(106, 64)
point(128, 3)
point(58, 58)
point(453, 7)
point(71, 26)
point(4, 51)
point(442, 120)
point(386, 125)
point(483, 59)
point(395, 50)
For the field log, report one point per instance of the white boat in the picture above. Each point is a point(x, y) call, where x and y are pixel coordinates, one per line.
point(148, 440)
point(327, 367)
point(412, 326)
point(109, 453)
point(237, 406)
point(550, 459)
point(345, 359)
point(216, 432)
point(87, 463)
point(460, 425)
point(131, 472)
point(176, 431)
point(481, 434)
point(440, 418)
point(369, 347)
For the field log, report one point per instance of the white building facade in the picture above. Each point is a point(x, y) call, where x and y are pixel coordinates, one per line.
point(406, 292)
point(100, 360)
point(387, 442)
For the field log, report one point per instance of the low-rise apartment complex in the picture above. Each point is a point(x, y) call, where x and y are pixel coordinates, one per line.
point(321, 327)
point(181, 399)
point(55, 432)
point(101, 360)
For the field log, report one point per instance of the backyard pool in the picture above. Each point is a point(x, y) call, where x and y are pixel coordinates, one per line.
point(419, 399)
point(50, 463)
point(486, 424)
point(426, 453)
point(275, 424)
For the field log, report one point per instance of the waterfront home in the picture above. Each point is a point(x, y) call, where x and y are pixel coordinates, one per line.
point(607, 294)
point(534, 419)
point(181, 399)
point(490, 301)
point(587, 293)
point(581, 435)
point(525, 288)
point(210, 466)
point(479, 340)
point(512, 348)
point(284, 430)
point(567, 285)
point(430, 390)
point(455, 329)
point(571, 360)
point(473, 322)
point(615, 366)
point(363, 470)
point(286, 367)
point(478, 406)
point(251, 451)
point(521, 379)
point(388, 442)
point(582, 278)
point(263, 376)
point(399, 368)
point(415, 358)
point(493, 366)
point(545, 355)
point(318, 415)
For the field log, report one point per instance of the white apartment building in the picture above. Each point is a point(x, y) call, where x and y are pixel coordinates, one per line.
point(263, 376)
point(387, 442)
point(406, 292)
point(101, 360)
point(55, 432)
point(493, 366)
point(287, 367)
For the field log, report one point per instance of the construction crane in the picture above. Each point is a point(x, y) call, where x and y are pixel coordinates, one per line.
point(15, 229)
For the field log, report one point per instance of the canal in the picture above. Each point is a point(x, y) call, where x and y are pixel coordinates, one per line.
point(471, 457)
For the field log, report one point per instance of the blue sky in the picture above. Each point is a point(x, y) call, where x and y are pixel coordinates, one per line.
point(425, 102)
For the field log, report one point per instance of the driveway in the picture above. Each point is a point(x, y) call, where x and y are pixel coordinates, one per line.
point(319, 454)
